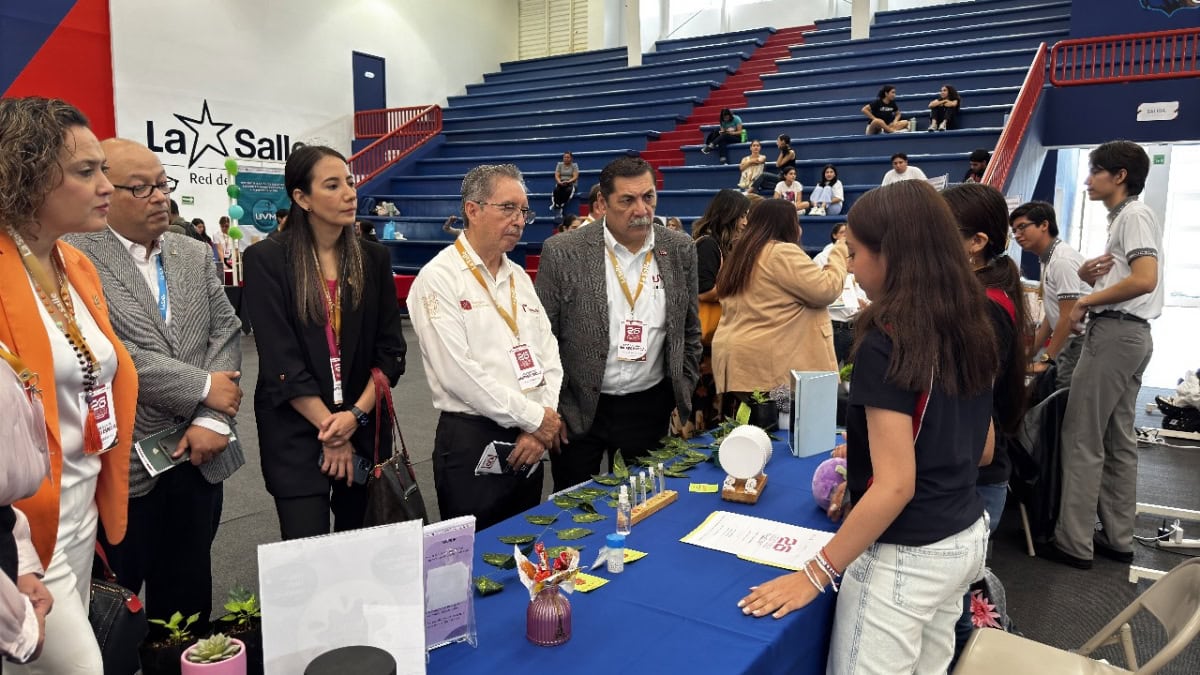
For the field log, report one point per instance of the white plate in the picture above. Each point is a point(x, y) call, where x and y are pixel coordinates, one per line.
point(741, 457)
point(758, 435)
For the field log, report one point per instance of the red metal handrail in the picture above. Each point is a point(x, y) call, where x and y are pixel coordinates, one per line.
point(379, 123)
point(1009, 144)
point(1126, 58)
point(396, 145)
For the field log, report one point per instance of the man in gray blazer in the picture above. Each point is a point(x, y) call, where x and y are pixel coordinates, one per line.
point(621, 299)
point(172, 315)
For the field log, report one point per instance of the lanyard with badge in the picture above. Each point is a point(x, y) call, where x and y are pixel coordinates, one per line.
point(96, 400)
point(162, 288)
point(633, 332)
point(333, 329)
point(530, 374)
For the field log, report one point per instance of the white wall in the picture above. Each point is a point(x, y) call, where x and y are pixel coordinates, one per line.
point(276, 67)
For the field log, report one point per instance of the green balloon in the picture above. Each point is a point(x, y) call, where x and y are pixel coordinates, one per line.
point(235, 233)
point(233, 191)
point(231, 166)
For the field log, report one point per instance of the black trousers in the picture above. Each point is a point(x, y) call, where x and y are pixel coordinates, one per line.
point(950, 115)
point(308, 516)
point(457, 446)
point(843, 340)
point(563, 194)
point(168, 544)
point(633, 423)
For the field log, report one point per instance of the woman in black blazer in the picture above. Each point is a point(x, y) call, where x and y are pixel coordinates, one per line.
point(317, 294)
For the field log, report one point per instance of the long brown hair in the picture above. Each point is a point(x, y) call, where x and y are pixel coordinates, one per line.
point(981, 208)
point(721, 217)
point(301, 246)
point(930, 305)
point(770, 220)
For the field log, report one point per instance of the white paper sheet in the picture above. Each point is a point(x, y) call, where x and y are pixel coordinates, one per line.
point(363, 587)
point(449, 600)
point(758, 540)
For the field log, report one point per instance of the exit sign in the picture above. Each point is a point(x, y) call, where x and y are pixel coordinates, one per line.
point(188, 201)
point(1160, 159)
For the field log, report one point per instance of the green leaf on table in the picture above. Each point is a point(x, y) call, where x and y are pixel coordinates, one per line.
point(588, 493)
point(555, 551)
point(694, 456)
point(743, 414)
point(518, 539)
point(487, 586)
point(774, 438)
point(572, 533)
point(587, 507)
point(607, 480)
point(504, 561)
point(619, 469)
point(647, 461)
point(671, 473)
point(541, 520)
point(663, 455)
point(588, 517)
point(565, 502)
point(612, 503)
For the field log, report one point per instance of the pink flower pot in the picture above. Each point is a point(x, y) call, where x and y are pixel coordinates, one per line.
point(233, 666)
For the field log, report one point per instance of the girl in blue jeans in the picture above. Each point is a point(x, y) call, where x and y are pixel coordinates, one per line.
point(918, 427)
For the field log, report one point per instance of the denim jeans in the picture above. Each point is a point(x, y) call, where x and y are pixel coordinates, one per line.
point(898, 604)
point(994, 496)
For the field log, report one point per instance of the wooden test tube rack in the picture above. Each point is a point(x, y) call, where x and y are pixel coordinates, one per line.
point(653, 505)
point(738, 492)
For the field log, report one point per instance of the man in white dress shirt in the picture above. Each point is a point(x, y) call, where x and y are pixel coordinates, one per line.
point(902, 171)
point(489, 355)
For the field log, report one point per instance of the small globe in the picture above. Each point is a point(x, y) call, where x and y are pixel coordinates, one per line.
point(830, 474)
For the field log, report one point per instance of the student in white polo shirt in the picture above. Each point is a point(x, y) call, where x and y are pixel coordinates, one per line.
point(1036, 230)
point(1099, 454)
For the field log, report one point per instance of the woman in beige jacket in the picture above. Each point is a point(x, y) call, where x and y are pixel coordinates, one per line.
point(773, 304)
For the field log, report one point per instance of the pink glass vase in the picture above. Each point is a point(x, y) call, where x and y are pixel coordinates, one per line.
point(548, 618)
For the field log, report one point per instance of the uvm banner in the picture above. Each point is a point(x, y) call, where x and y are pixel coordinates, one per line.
point(262, 194)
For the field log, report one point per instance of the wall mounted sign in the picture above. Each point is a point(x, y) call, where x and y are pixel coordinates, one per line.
point(1157, 112)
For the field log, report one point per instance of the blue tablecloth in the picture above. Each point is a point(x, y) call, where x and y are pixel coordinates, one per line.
point(673, 611)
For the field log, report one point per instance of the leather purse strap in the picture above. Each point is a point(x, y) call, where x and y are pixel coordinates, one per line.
point(108, 572)
point(383, 396)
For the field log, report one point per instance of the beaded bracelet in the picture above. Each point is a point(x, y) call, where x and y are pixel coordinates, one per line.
point(823, 557)
point(828, 570)
point(813, 578)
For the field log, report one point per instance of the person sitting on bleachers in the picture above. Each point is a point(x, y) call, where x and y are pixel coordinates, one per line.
point(674, 223)
point(943, 110)
point(790, 190)
point(902, 171)
point(752, 168)
point(730, 131)
point(884, 113)
point(828, 196)
point(566, 176)
point(978, 164)
point(595, 207)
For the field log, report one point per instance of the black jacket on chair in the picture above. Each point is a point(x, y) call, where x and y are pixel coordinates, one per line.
point(294, 362)
point(1037, 468)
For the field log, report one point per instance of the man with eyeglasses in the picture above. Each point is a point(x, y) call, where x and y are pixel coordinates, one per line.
point(169, 309)
point(1036, 230)
point(489, 355)
point(621, 296)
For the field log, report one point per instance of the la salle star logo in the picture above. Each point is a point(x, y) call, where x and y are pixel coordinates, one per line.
point(202, 134)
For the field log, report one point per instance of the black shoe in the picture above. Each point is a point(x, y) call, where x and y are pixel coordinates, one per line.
point(1110, 552)
point(1053, 553)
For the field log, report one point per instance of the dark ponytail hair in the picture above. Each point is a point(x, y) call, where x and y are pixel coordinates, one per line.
point(980, 208)
point(883, 91)
point(301, 246)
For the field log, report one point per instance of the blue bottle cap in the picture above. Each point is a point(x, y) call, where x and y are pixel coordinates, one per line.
point(616, 540)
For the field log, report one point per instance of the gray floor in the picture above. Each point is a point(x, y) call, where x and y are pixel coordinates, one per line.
point(1049, 602)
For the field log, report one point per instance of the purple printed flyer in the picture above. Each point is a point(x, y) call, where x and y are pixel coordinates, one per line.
point(449, 602)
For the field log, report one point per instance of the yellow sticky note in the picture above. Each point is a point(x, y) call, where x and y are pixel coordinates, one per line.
point(632, 555)
point(586, 583)
point(703, 487)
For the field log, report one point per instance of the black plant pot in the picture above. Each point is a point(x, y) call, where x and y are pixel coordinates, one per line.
point(252, 638)
point(765, 415)
point(161, 658)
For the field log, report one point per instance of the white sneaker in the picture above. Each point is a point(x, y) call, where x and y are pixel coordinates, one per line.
point(942, 126)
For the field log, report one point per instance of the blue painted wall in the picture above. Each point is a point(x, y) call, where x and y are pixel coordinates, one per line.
point(1093, 114)
point(1091, 18)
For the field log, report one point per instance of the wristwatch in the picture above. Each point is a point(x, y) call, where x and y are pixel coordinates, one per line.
point(359, 415)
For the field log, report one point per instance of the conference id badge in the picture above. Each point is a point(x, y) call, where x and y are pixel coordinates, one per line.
point(530, 374)
point(335, 367)
point(101, 405)
point(633, 343)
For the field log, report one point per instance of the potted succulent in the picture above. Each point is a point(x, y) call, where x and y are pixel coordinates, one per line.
point(161, 657)
point(243, 620)
point(782, 396)
point(763, 412)
point(217, 654)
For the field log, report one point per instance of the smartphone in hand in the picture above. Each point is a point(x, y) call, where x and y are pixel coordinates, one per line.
point(362, 467)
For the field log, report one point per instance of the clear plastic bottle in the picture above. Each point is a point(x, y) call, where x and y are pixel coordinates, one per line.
point(616, 553)
point(653, 482)
point(662, 479)
point(645, 487)
point(633, 490)
point(624, 512)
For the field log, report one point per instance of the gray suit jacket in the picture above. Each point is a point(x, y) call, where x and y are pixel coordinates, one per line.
point(172, 361)
point(571, 284)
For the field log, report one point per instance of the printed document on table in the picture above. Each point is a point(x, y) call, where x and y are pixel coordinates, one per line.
point(758, 540)
point(361, 587)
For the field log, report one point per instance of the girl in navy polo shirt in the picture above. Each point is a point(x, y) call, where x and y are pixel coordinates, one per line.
point(918, 427)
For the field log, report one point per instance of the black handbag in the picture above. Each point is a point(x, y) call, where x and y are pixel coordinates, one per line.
point(119, 621)
point(393, 495)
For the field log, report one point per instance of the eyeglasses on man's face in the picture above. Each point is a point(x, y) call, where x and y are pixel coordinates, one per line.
point(143, 191)
point(510, 211)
